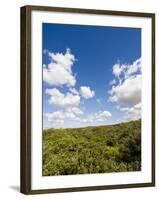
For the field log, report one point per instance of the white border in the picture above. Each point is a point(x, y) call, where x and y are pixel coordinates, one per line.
point(39, 182)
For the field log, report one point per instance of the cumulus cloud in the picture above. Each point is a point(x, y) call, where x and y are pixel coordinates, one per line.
point(86, 92)
point(100, 116)
point(59, 99)
point(123, 71)
point(112, 82)
point(132, 113)
point(117, 69)
point(134, 68)
point(59, 71)
point(58, 117)
point(55, 117)
point(75, 110)
point(127, 91)
point(73, 91)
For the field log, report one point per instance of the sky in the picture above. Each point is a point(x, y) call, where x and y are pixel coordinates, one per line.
point(91, 75)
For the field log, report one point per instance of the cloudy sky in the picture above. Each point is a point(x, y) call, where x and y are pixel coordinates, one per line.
point(91, 75)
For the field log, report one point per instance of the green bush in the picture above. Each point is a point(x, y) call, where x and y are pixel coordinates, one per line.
point(102, 149)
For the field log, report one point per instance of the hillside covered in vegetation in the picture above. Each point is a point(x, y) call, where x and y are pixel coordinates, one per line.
point(100, 149)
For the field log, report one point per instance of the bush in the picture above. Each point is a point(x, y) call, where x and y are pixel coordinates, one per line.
point(102, 149)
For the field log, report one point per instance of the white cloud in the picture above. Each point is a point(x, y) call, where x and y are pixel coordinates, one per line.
point(135, 67)
point(55, 117)
point(59, 70)
point(100, 116)
point(86, 92)
point(75, 110)
point(73, 91)
point(112, 82)
point(59, 99)
point(132, 113)
point(123, 71)
point(117, 70)
point(62, 117)
point(59, 117)
point(128, 93)
point(123, 109)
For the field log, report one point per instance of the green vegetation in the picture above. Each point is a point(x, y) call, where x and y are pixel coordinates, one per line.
point(100, 149)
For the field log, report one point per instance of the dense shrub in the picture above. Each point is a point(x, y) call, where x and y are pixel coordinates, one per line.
point(102, 149)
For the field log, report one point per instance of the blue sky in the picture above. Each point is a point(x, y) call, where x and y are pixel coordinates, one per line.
point(103, 62)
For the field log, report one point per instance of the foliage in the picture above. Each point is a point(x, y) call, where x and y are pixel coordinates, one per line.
point(100, 149)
